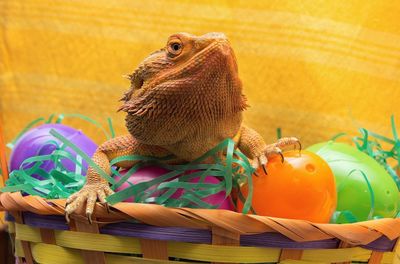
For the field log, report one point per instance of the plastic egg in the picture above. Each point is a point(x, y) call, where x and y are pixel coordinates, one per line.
point(219, 199)
point(364, 187)
point(38, 141)
point(143, 174)
point(302, 187)
point(149, 173)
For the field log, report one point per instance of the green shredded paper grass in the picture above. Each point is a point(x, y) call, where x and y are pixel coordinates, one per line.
point(389, 157)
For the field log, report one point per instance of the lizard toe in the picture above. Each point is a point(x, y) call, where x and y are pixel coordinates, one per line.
point(90, 203)
point(254, 163)
point(74, 203)
point(72, 198)
point(288, 141)
point(273, 150)
point(101, 195)
point(108, 190)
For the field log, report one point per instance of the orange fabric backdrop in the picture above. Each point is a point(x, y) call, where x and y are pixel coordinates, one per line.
point(312, 68)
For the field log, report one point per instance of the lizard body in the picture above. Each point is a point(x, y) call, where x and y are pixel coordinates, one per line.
point(184, 99)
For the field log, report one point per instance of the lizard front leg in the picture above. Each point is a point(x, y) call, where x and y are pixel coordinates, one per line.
point(97, 188)
point(254, 147)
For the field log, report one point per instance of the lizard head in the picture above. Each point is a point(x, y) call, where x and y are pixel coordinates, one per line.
point(190, 78)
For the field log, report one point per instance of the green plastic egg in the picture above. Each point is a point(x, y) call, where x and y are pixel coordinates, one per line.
point(363, 186)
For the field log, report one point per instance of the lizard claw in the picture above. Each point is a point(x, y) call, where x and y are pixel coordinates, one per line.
point(260, 161)
point(264, 169)
point(67, 218)
point(89, 217)
point(282, 157)
point(300, 147)
point(107, 207)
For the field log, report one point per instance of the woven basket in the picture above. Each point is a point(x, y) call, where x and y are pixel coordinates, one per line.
point(145, 233)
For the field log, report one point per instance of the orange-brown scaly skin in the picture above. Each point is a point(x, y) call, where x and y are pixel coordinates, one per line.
point(184, 99)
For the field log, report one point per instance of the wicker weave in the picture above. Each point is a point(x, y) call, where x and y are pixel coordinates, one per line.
point(226, 227)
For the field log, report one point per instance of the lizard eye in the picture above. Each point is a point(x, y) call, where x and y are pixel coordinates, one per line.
point(175, 47)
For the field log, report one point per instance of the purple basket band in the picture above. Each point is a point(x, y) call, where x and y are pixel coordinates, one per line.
point(193, 235)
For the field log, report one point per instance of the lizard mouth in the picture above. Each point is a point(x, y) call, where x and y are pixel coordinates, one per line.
point(139, 84)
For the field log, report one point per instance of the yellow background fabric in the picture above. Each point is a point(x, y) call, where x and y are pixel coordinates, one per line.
point(312, 68)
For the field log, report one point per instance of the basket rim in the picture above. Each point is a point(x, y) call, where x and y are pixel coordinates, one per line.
point(228, 222)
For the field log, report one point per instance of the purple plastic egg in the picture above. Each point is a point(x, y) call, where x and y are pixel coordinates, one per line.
point(38, 141)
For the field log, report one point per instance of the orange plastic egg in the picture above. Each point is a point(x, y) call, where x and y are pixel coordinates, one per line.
point(302, 187)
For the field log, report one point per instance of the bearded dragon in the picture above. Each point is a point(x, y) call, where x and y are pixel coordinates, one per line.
point(183, 100)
